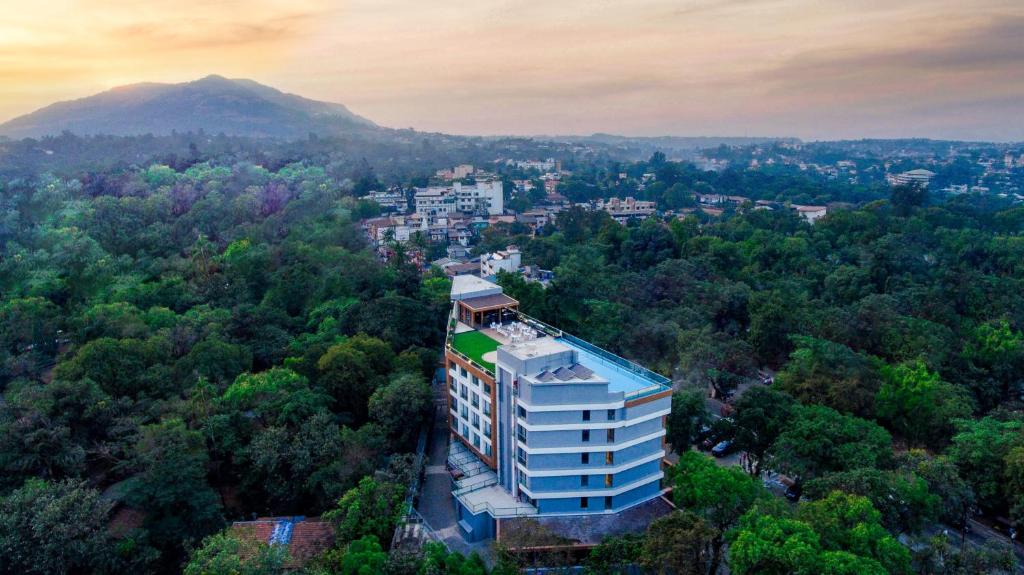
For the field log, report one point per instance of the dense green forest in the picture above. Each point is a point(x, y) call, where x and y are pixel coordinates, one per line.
point(896, 332)
point(197, 346)
point(189, 344)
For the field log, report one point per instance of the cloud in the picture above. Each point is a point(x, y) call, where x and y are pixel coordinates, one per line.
point(812, 68)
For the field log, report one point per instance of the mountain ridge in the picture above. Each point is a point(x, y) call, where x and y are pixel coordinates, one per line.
point(214, 104)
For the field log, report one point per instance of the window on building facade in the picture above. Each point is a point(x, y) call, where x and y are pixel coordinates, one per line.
point(487, 388)
point(463, 391)
point(521, 434)
point(586, 415)
point(583, 502)
point(487, 408)
point(584, 458)
point(463, 372)
point(584, 480)
point(611, 415)
point(455, 404)
point(476, 441)
point(475, 401)
point(476, 421)
point(608, 502)
point(464, 412)
point(611, 435)
point(487, 429)
point(522, 456)
point(465, 430)
point(522, 412)
point(488, 450)
point(476, 380)
point(586, 435)
point(608, 480)
point(609, 458)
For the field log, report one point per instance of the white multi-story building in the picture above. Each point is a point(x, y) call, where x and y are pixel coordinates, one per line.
point(508, 260)
point(544, 423)
point(434, 201)
point(919, 177)
point(482, 198)
point(539, 165)
point(622, 210)
point(392, 199)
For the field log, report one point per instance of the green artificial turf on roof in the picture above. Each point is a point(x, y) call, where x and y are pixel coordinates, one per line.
point(474, 345)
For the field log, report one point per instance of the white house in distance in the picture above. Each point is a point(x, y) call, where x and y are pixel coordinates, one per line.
point(919, 177)
point(811, 213)
point(507, 260)
point(623, 210)
point(482, 198)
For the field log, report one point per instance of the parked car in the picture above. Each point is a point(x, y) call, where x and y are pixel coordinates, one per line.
point(722, 448)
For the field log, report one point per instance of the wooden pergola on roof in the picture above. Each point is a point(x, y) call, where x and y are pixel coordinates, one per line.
point(482, 310)
point(489, 302)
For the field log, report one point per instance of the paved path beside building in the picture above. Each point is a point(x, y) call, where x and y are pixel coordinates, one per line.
point(436, 504)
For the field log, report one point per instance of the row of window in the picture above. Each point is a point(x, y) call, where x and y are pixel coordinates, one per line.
point(474, 438)
point(609, 435)
point(584, 435)
point(609, 479)
point(585, 502)
point(476, 380)
point(473, 398)
point(611, 415)
point(472, 417)
point(609, 457)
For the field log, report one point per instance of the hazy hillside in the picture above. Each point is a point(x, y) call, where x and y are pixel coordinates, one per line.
point(213, 104)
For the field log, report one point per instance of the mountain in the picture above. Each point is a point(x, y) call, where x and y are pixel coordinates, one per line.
point(214, 104)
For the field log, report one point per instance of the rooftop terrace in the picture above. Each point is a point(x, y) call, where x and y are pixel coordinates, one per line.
point(477, 346)
point(623, 376)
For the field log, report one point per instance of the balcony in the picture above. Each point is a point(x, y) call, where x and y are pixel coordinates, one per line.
point(477, 486)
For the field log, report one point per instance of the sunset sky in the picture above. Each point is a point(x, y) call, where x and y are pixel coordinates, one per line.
point(816, 69)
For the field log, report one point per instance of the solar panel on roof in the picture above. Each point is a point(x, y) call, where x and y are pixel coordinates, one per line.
point(582, 371)
point(564, 373)
point(545, 376)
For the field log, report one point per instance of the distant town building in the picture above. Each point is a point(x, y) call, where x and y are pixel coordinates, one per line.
point(811, 213)
point(381, 229)
point(919, 177)
point(542, 166)
point(481, 198)
point(434, 201)
point(390, 200)
point(507, 260)
point(623, 210)
point(459, 172)
point(543, 423)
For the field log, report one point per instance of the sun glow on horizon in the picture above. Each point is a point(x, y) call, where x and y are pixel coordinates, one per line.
point(810, 68)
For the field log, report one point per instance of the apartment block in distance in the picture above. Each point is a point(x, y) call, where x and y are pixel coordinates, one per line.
point(543, 423)
point(484, 198)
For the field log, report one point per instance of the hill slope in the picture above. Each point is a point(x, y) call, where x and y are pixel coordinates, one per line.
point(213, 104)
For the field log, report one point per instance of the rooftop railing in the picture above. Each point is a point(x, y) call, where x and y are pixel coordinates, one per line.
point(523, 510)
point(659, 382)
point(452, 322)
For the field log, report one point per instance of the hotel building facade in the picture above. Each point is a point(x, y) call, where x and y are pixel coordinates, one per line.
point(543, 423)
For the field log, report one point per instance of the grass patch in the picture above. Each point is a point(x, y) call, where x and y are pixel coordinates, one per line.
point(474, 345)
